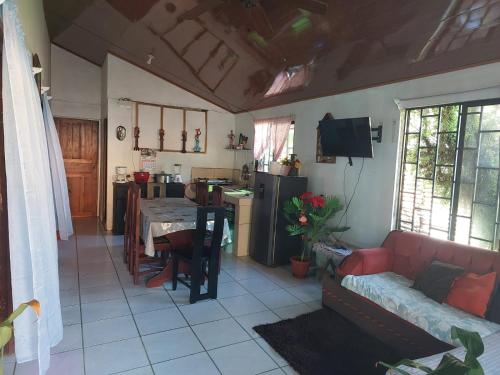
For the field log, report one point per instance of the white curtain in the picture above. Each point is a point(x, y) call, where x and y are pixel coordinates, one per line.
point(58, 173)
point(271, 133)
point(32, 228)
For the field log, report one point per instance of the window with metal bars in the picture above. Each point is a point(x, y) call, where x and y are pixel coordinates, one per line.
point(450, 173)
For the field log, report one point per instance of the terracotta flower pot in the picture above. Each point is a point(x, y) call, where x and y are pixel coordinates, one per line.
point(300, 268)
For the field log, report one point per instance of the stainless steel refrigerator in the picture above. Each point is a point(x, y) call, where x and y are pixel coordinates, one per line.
point(270, 243)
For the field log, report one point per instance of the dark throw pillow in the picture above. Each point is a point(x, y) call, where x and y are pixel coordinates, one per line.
point(493, 313)
point(435, 281)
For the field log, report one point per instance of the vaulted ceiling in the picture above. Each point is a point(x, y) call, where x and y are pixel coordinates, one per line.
point(233, 52)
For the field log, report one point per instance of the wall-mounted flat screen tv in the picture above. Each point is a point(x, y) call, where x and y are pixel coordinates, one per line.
point(349, 137)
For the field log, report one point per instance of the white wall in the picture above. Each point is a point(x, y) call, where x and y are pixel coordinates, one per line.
point(36, 35)
point(76, 86)
point(126, 80)
point(370, 214)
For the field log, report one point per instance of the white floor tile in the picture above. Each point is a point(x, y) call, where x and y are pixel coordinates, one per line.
point(243, 272)
point(246, 358)
point(276, 371)
point(109, 330)
point(69, 297)
point(259, 284)
point(71, 315)
point(95, 268)
point(102, 279)
point(101, 293)
point(243, 305)
point(150, 302)
point(60, 364)
point(290, 312)
point(306, 292)
point(115, 357)
point(138, 371)
point(220, 333)
point(202, 312)
point(251, 320)
point(196, 364)
point(72, 339)
point(230, 289)
point(113, 308)
point(168, 345)
point(159, 320)
point(278, 298)
point(280, 361)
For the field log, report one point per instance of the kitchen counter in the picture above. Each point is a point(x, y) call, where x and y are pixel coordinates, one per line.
point(242, 199)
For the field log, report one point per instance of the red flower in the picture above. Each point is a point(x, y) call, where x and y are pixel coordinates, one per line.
point(317, 201)
point(302, 219)
point(306, 196)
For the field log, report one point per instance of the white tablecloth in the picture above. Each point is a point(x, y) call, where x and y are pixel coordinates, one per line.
point(166, 215)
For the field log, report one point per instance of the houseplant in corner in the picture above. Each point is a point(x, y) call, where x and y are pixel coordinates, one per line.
point(308, 216)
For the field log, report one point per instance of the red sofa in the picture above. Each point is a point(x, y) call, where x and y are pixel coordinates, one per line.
point(407, 254)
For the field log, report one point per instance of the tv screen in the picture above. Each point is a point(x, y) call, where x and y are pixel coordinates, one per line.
point(350, 137)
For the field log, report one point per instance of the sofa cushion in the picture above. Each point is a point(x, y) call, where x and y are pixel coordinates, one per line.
point(471, 293)
point(392, 292)
point(435, 281)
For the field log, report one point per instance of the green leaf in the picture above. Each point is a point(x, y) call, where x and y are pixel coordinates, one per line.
point(5, 335)
point(451, 365)
point(470, 340)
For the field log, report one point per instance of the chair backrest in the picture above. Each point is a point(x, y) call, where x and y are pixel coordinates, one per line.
point(127, 220)
point(202, 193)
point(203, 216)
point(135, 224)
point(217, 196)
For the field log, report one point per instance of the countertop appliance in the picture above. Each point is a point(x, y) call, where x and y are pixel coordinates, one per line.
point(270, 243)
point(121, 174)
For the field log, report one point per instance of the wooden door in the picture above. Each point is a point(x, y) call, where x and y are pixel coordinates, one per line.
point(79, 144)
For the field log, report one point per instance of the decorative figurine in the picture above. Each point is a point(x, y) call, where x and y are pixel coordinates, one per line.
point(184, 139)
point(197, 133)
point(137, 132)
point(231, 137)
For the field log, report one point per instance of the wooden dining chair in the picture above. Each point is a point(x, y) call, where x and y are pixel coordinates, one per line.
point(202, 193)
point(217, 196)
point(201, 250)
point(137, 256)
point(128, 222)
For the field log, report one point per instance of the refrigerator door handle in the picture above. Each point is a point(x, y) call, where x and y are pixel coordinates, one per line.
point(261, 191)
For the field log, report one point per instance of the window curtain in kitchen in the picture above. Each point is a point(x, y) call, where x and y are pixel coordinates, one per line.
point(271, 133)
point(58, 173)
point(32, 227)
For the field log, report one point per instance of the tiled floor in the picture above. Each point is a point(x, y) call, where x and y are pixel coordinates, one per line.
point(112, 326)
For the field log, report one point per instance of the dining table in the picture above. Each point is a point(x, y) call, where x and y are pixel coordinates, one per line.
point(161, 216)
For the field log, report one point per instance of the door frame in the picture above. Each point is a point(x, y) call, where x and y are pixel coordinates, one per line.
point(100, 160)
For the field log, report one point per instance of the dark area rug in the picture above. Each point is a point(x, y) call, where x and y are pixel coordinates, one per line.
point(323, 342)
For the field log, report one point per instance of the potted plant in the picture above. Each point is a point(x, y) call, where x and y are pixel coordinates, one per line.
point(286, 165)
point(308, 216)
point(7, 326)
point(450, 365)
